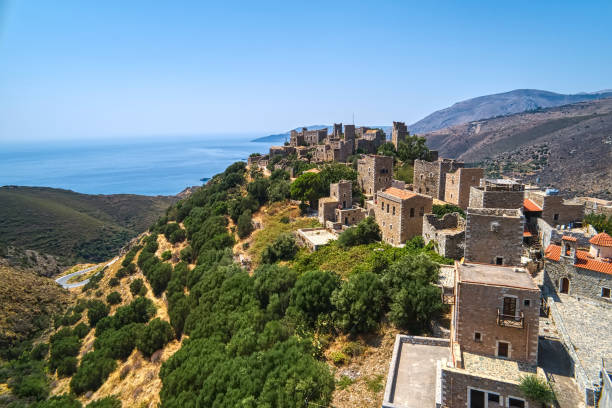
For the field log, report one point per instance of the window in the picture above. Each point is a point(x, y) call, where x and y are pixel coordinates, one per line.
point(605, 293)
point(526, 303)
point(556, 217)
point(477, 337)
point(382, 205)
point(430, 174)
point(412, 212)
point(499, 260)
point(387, 208)
point(390, 226)
point(494, 398)
point(516, 402)
point(503, 349)
point(422, 176)
point(393, 210)
point(384, 224)
point(422, 211)
point(483, 399)
point(509, 306)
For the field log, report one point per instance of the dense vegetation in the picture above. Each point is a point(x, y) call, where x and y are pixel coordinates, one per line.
point(85, 227)
point(599, 222)
point(309, 187)
point(440, 210)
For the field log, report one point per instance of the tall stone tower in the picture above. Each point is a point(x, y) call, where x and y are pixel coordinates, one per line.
point(399, 133)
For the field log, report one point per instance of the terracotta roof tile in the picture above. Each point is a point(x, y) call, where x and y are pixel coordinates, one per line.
point(584, 260)
point(399, 193)
point(568, 238)
point(530, 205)
point(602, 239)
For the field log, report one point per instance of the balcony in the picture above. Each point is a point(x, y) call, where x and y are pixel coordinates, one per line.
point(506, 320)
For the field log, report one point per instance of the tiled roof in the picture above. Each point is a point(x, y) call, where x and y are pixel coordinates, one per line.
point(530, 205)
point(584, 260)
point(399, 193)
point(568, 238)
point(602, 239)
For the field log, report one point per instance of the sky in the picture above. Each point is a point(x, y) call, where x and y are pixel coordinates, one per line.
point(120, 69)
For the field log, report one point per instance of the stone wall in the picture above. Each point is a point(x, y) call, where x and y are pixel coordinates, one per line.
point(398, 133)
point(375, 173)
point(476, 311)
point(342, 192)
point(430, 177)
point(327, 209)
point(583, 282)
point(491, 233)
point(350, 216)
point(447, 233)
point(481, 198)
point(401, 219)
point(459, 183)
point(456, 384)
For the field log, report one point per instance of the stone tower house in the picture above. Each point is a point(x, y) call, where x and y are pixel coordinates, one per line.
point(430, 176)
point(398, 133)
point(375, 173)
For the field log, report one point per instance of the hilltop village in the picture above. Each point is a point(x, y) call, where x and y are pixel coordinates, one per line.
point(530, 289)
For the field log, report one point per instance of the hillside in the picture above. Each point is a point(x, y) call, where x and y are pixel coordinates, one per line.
point(73, 226)
point(490, 106)
point(568, 147)
point(27, 304)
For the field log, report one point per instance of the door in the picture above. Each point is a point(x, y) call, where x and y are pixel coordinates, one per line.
point(503, 349)
point(509, 306)
point(477, 399)
point(564, 285)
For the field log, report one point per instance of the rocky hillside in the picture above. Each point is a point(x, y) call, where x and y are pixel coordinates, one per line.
point(490, 106)
point(568, 147)
point(70, 226)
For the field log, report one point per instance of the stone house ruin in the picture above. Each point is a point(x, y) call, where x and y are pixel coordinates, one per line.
point(447, 233)
point(494, 236)
point(399, 214)
point(430, 176)
point(338, 210)
point(554, 209)
point(458, 185)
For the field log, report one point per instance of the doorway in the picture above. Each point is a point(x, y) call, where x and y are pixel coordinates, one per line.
point(503, 349)
point(477, 399)
point(564, 285)
point(509, 306)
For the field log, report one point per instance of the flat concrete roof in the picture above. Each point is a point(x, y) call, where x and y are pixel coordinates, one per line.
point(495, 275)
point(318, 236)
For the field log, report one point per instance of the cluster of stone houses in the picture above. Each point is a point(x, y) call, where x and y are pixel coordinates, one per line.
point(521, 253)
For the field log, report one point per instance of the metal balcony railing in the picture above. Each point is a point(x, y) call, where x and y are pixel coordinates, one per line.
point(510, 320)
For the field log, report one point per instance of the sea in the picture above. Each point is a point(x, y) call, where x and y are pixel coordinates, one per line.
point(147, 166)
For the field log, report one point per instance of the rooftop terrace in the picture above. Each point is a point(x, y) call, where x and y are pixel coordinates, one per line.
point(494, 275)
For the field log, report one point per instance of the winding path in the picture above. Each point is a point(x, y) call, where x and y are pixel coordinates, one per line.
point(63, 281)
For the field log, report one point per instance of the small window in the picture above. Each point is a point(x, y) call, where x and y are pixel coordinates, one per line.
point(384, 224)
point(516, 402)
point(387, 208)
point(430, 174)
point(556, 217)
point(390, 226)
point(605, 293)
point(526, 302)
point(477, 337)
point(499, 260)
point(493, 398)
point(503, 349)
point(393, 210)
point(412, 212)
point(382, 205)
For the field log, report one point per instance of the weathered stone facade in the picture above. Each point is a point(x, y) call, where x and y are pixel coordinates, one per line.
point(430, 176)
point(501, 304)
point(399, 214)
point(334, 150)
point(594, 205)
point(375, 173)
point(457, 385)
point(307, 137)
point(281, 151)
point(577, 273)
point(369, 140)
point(398, 133)
point(447, 233)
point(499, 193)
point(556, 210)
point(494, 236)
point(459, 183)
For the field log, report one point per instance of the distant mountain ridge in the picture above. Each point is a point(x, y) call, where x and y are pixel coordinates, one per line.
point(568, 147)
point(507, 103)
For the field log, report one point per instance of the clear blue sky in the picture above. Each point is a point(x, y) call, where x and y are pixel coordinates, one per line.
point(85, 69)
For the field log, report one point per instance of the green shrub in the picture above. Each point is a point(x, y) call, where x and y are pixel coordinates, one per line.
point(344, 382)
point(60, 401)
point(187, 254)
point(366, 232)
point(166, 255)
point(245, 224)
point(67, 366)
point(136, 286)
point(96, 310)
point(40, 351)
point(119, 343)
point(81, 330)
point(113, 298)
point(339, 358)
point(360, 303)
point(311, 295)
point(282, 249)
point(441, 210)
point(353, 349)
point(159, 278)
point(107, 402)
point(95, 368)
point(112, 282)
point(374, 383)
point(154, 336)
point(537, 389)
point(31, 386)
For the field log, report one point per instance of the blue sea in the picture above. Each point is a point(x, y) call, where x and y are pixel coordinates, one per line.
point(148, 166)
